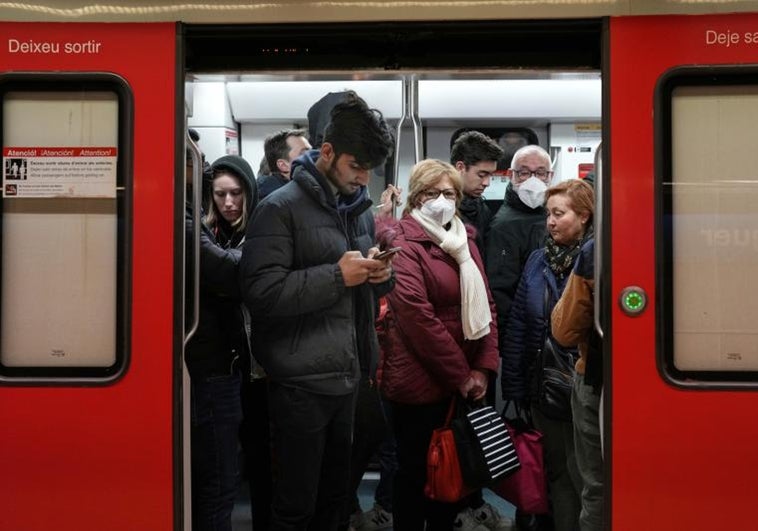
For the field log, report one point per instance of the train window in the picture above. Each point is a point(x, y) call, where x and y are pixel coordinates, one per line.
point(707, 219)
point(63, 228)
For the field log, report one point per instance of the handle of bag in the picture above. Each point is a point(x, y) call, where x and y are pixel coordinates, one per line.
point(523, 413)
point(451, 411)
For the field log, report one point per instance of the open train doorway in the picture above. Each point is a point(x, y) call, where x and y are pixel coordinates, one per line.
point(432, 83)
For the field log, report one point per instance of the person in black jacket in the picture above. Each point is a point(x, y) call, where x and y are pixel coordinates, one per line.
point(281, 149)
point(310, 282)
point(518, 227)
point(475, 156)
point(213, 354)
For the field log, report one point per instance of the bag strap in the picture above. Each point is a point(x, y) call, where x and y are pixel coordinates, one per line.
point(545, 311)
point(451, 411)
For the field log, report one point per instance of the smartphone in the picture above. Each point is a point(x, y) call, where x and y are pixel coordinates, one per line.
point(386, 254)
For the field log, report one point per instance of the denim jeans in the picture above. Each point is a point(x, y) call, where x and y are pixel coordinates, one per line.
point(216, 415)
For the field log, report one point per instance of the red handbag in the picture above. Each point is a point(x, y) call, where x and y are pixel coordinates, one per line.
point(444, 481)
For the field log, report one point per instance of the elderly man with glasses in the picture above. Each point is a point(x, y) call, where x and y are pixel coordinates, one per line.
point(518, 227)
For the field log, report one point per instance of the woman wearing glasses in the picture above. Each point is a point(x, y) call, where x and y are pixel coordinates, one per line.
point(441, 335)
point(570, 207)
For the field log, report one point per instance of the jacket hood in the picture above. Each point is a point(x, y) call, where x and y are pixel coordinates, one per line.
point(306, 163)
point(240, 167)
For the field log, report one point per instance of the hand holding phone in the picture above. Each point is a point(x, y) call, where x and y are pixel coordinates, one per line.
point(386, 254)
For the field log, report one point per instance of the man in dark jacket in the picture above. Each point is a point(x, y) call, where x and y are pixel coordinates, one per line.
point(309, 280)
point(518, 227)
point(281, 149)
point(475, 156)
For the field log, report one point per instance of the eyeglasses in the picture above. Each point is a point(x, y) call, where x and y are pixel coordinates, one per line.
point(433, 193)
point(524, 173)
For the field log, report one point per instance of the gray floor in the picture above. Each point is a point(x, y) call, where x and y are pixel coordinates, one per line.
point(241, 520)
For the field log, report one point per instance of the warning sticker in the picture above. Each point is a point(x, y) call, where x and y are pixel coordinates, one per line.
point(59, 172)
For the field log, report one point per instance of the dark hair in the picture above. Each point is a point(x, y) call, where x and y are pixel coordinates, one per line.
point(357, 130)
point(275, 146)
point(474, 147)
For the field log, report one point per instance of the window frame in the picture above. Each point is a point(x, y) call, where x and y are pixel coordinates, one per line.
point(88, 82)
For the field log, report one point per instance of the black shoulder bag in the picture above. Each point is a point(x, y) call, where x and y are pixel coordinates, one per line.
point(555, 373)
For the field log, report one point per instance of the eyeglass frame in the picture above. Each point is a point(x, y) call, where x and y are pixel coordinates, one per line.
point(425, 194)
point(516, 173)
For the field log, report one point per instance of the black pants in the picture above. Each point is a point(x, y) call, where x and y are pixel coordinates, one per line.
point(370, 433)
point(255, 437)
point(413, 426)
point(311, 436)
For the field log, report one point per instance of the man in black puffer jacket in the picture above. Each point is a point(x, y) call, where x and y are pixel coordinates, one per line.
point(311, 285)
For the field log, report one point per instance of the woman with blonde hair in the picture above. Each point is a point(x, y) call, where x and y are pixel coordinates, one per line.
point(441, 336)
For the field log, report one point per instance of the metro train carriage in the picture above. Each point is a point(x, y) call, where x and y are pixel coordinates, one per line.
point(96, 279)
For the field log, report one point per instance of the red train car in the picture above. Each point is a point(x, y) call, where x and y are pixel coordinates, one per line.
point(93, 287)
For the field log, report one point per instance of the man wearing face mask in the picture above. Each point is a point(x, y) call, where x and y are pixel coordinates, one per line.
point(518, 227)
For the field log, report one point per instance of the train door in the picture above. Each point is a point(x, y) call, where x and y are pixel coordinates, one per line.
point(87, 259)
point(683, 249)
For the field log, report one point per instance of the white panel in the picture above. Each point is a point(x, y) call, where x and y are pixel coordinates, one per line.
point(59, 255)
point(211, 106)
point(715, 228)
point(511, 99)
point(289, 101)
point(573, 144)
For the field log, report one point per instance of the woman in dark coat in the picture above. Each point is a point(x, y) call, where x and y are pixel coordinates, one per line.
point(219, 347)
point(441, 338)
point(570, 206)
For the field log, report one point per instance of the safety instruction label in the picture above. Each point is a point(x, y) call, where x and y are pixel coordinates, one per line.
point(59, 172)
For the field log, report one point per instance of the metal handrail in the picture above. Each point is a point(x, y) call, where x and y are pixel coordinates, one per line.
point(197, 197)
point(598, 258)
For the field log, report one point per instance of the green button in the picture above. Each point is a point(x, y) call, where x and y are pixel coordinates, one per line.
point(634, 300)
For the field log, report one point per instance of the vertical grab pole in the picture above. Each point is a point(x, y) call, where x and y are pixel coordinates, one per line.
point(409, 112)
point(197, 197)
point(598, 258)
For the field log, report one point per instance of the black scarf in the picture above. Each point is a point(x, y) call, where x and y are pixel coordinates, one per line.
point(561, 258)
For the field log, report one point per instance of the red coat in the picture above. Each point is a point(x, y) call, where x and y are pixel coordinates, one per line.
point(425, 357)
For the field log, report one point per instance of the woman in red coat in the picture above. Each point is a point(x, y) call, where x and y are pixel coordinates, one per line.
point(441, 338)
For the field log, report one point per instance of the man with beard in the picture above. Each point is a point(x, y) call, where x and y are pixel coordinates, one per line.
point(310, 281)
point(475, 156)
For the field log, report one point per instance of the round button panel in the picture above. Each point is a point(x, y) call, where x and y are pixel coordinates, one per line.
point(633, 300)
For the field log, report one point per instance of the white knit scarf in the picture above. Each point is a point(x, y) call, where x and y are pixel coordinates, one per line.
point(475, 308)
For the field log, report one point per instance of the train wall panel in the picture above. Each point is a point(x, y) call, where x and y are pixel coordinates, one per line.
point(681, 459)
point(101, 457)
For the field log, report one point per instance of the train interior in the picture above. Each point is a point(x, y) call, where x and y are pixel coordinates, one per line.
point(559, 109)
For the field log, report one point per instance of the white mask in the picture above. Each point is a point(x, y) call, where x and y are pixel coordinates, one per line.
point(532, 192)
point(440, 210)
